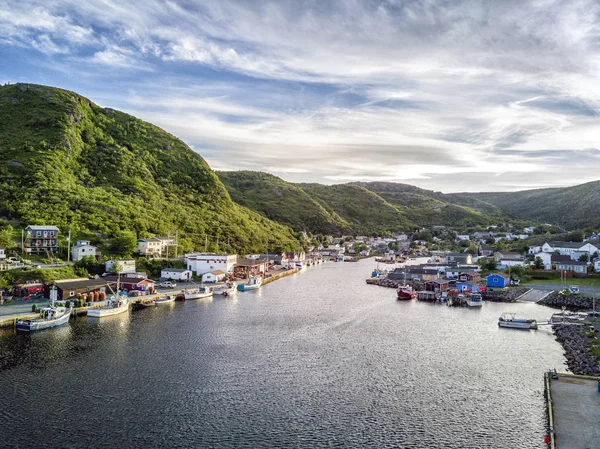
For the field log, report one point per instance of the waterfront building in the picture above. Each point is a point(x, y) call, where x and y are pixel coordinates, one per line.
point(497, 280)
point(41, 239)
point(201, 263)
point(251, 267)
point(177, 274)
point(131, 281)
point(69, 288)
point(213, 276)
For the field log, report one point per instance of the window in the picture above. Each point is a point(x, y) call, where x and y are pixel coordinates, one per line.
point(71, 294)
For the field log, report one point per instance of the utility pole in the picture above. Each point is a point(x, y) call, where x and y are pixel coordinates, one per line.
point(22, 241)
point(176, 243)
point(69, 247)
point(205, 243)
point(167, 245)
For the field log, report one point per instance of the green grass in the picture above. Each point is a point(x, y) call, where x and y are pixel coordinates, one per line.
point(584, 282)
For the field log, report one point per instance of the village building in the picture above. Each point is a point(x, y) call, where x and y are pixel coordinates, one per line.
point(82, 249)
point(131, 281)
point(70, 288)
point(485, 250)
point(461, 258)
point(250, 267)
point(127, 265)
point(573, 266)
point(509, 259)
point(214, 276)
point(437, 285)
point(497, 280)
point(177, 274)
point(467, 286)
point(41, 240)
point(201, 263)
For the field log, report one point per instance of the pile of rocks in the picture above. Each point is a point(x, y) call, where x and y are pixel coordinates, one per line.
point(390, 283)
point(509, 295)
point(576, 345)
point(571, 302)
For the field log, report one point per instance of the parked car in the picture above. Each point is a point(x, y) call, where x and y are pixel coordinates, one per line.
point(574, 289)
point(514, 281)
point(167, 284)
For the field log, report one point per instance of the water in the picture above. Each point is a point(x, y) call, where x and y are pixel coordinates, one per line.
point(319, 359)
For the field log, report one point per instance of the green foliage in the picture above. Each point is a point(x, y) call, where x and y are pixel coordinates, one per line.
point(488, 264)
point(538, 263)
point(68, 162)
point(123, 244)
point(90, 265)
point(153, 267)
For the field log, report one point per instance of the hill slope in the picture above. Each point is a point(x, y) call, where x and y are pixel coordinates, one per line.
point(568, 207)
point(68, 162)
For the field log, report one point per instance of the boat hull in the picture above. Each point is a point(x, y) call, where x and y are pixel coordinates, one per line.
point(474, 304)
point(38, 325)
point(102, 312)
point(517, 325)
point(187, 296)
point(246, 287)
point(168, 300)
point(143, 305)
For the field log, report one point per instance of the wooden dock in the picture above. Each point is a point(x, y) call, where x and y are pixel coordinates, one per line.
point(283, 274)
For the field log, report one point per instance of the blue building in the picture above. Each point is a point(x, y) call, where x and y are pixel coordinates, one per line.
point(497, 280)
point(467, 287)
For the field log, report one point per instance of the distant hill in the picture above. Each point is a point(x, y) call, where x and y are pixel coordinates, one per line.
point(569, 207)
point(359, 208)
point(66, 161)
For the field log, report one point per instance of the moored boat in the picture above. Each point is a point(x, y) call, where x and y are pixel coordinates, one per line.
point(166, 299)
point(474, 300)
point(143, 304)
point(253, 283)
point(198, 293)
point(405, 292)
point(49, 317)
point(228, 289)
point(113, 306)
point(508, 320)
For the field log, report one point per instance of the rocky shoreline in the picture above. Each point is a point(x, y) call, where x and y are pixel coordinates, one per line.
point(503, 296)
point(580, 360)
point(573, 303)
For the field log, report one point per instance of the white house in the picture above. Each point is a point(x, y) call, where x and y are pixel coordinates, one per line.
point(203, 263)
point(535, 249)
point(562, 248)
point(213, 276)
point(462, 237)
point(509, 259)
point(127, 265)
point(597, 265)
point(2, 253)
point(177, 274)
point(82, 249)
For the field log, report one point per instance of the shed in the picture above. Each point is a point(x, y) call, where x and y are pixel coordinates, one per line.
point(437, 285)
point(69, 288)
point(497, 280)
point(213, 276)
point(467, 287)
point(177, 274)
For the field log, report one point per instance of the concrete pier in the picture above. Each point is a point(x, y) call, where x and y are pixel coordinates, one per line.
point(574, 411)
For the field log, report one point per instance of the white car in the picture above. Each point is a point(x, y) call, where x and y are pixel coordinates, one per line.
point(167, 284)
point(574, 289)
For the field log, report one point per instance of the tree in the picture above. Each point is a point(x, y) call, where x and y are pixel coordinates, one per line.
point(123, 244)
point(488, 264)
point(116, 268)
point(584, 257)
point(539, 263)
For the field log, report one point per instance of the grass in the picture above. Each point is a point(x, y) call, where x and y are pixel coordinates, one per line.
point(583, 282)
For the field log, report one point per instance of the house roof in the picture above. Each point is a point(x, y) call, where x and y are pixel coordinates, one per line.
point(571, 262)
point(510, 255)
point(458, 254)
point(175, 270)
point(502, 275)
point(74, 284)
point(559, 258)
point(438, 281)
point(486, 247)
point(124, 280)
point(570, 245)
point(249, 262)
point(42, 228)
point(217, 272)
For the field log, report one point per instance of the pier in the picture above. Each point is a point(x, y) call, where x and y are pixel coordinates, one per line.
point(283, 274)
point(573, 404)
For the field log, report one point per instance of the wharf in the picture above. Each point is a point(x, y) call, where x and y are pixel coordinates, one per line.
point(573, 410)
point(283, 274)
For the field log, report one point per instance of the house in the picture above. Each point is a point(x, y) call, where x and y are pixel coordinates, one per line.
point(214, 276)
point(177, 274)
point(201, 263)
point(412, 274)
point(572, 266)
point(497, 280)
point(82, 249)
point(589, 248)
point(509, 259)
point(485, 250)
point(469, 277)
point(127, 265)
point(563, 248)
point(2, 253)
point(296, 257)
point(462, 237)
point(41, 239)
point(151, 247)
point(131, 281)
point(249, 267)
point(597, 265)
point(69, 288)
point(437, 285)
point(466, 286)
point(534, 249)
point(461, 258)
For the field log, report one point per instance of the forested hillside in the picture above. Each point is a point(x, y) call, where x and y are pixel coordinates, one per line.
point(67, 162)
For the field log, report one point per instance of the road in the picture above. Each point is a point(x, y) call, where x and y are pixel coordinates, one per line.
point(583, 290)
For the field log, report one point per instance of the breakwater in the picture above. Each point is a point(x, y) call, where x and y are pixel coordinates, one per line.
point(274, 277)
point(571, 302)
point(509, 295)
point(575, 343)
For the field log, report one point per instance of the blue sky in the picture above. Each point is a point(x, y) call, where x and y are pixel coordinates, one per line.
point(445, 95)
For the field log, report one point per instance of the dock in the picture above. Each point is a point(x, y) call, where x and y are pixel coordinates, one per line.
point(573, 404)
point(283, 274)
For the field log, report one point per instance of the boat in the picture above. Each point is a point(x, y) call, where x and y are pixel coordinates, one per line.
point(166, 299)
point(113, 306)
point(474, 300)
point(143, 304)
point(49, 317)
point(508, 320)
point(198, 293)
point(405, 292)
point(253, 283)
point(228, 289)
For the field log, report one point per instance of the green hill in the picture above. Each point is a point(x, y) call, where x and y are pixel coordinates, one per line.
point(68, 162)
point(569, 207)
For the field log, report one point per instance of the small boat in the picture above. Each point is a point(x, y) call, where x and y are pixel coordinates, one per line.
point(508, 320)
point(113, 306)
point(198, 293)
point(143, 304)
point(49, 317)
point(474, 300)
point(405, 292)
point(228, 289)
point(167, 299)
point(253, 283)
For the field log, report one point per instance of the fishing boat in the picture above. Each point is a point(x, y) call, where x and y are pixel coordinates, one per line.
point(143, 304)
point(113, 306)
point(198, 293)
point(49, 317)
point(405, 292)
point(474, 300)
point(253, 283)
point(508, 320)
point(228, 289)
point(166, 299)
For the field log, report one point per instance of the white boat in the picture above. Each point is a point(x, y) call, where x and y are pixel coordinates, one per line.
point(198, 293)
point(228, 289)
point(113, 306)
point(253, 283)
point(167, 299)
point(474, 300)
point(49, 317)
point(508, 320)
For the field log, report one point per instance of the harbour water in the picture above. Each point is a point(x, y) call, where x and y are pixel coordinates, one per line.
point(319, 359)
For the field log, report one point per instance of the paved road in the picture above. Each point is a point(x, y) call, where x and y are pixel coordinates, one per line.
point(547, 287)
point(21, 306)
point(534, 295)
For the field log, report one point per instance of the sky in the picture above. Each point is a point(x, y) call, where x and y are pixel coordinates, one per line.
point(446, 95)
